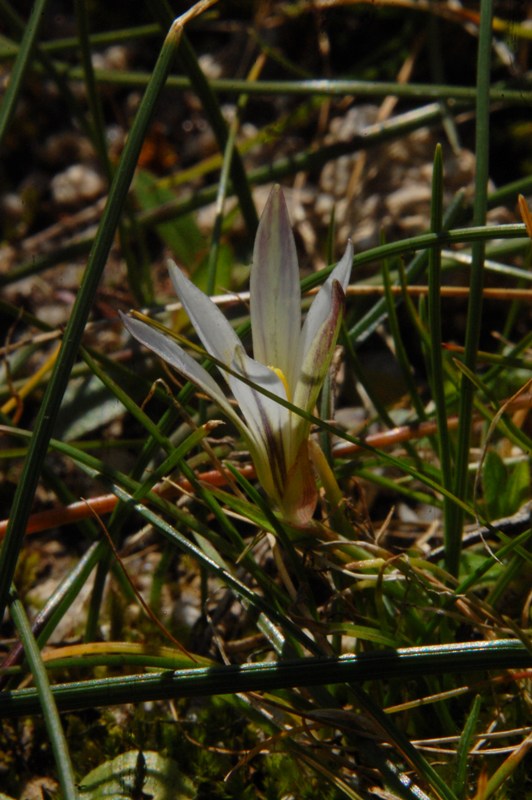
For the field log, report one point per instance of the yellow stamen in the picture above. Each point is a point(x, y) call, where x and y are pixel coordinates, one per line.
point(280, 374)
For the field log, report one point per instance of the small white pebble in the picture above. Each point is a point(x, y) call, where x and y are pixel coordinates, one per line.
point(12, 205)
point(209, 66)
point(76, 185)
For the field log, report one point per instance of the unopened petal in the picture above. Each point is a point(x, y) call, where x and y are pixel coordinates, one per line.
point(275, 294)
point(317, 345)
point(342, 271)
point(322, 306)
point(215, 332)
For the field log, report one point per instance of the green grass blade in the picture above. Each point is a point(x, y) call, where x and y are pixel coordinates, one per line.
point(22, 63)
point(435, 327)
point(93, 98)
point(41, 61)
point(401, 353)
point(460, 781)
point(462, 96)
point(507, 768)
point(162, 11)
point(123, 397)
point(402, 743)
point(404, 663)
point(56, 606)
point(474, 313)
point(46, 701)
point(50, 406)
point(365, 326)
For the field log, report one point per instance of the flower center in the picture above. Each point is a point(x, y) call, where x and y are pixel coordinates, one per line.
point(280, 374)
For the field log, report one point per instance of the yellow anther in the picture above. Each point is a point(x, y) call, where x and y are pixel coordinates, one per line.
point(281, 376)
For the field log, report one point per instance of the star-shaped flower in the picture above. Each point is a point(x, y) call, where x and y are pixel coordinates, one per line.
point(290, 358)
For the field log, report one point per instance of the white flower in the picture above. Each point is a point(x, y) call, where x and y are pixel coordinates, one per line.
point(290, 359)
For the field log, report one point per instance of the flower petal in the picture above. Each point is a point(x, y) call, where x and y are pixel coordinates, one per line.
point(282, 458)
point(173, 354)
point(318, 336)
point(275, 294)
point(268, 420)
point(215, 332)
point(342, 271)
point(300, 495)
point(321, 307)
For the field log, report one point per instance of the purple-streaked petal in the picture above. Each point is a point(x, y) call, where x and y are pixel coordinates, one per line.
point(321, 307)
point(275, 295)
point(324, 309)
point(300, 494)
point(215, 332)
point(318, 347)
point(165, 347)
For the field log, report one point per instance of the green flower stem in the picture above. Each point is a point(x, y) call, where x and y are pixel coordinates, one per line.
point(45, 700)
point(404, 663)
point(56, 387)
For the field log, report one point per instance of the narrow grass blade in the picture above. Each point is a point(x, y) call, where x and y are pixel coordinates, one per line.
point(22, 63)
point(404, 663)
point(474, 312)
point(223, 186)
point(399, 346)
point(56, 606)
point(74, 330)
point(369, 322)
point(138, 274)
point(162, 11)
point(435, 327)
point(46, 701)
point(463, 95)
point(507, 768)
point(466, 739)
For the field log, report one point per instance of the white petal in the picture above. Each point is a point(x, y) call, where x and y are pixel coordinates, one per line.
point(275, 294)
point(173, 354)
point(267, 420)
point(259, 410)
point(342, 271)
point(215, 332)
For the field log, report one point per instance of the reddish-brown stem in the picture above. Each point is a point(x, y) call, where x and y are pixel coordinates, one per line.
point(57, 517)
point(104, 504)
